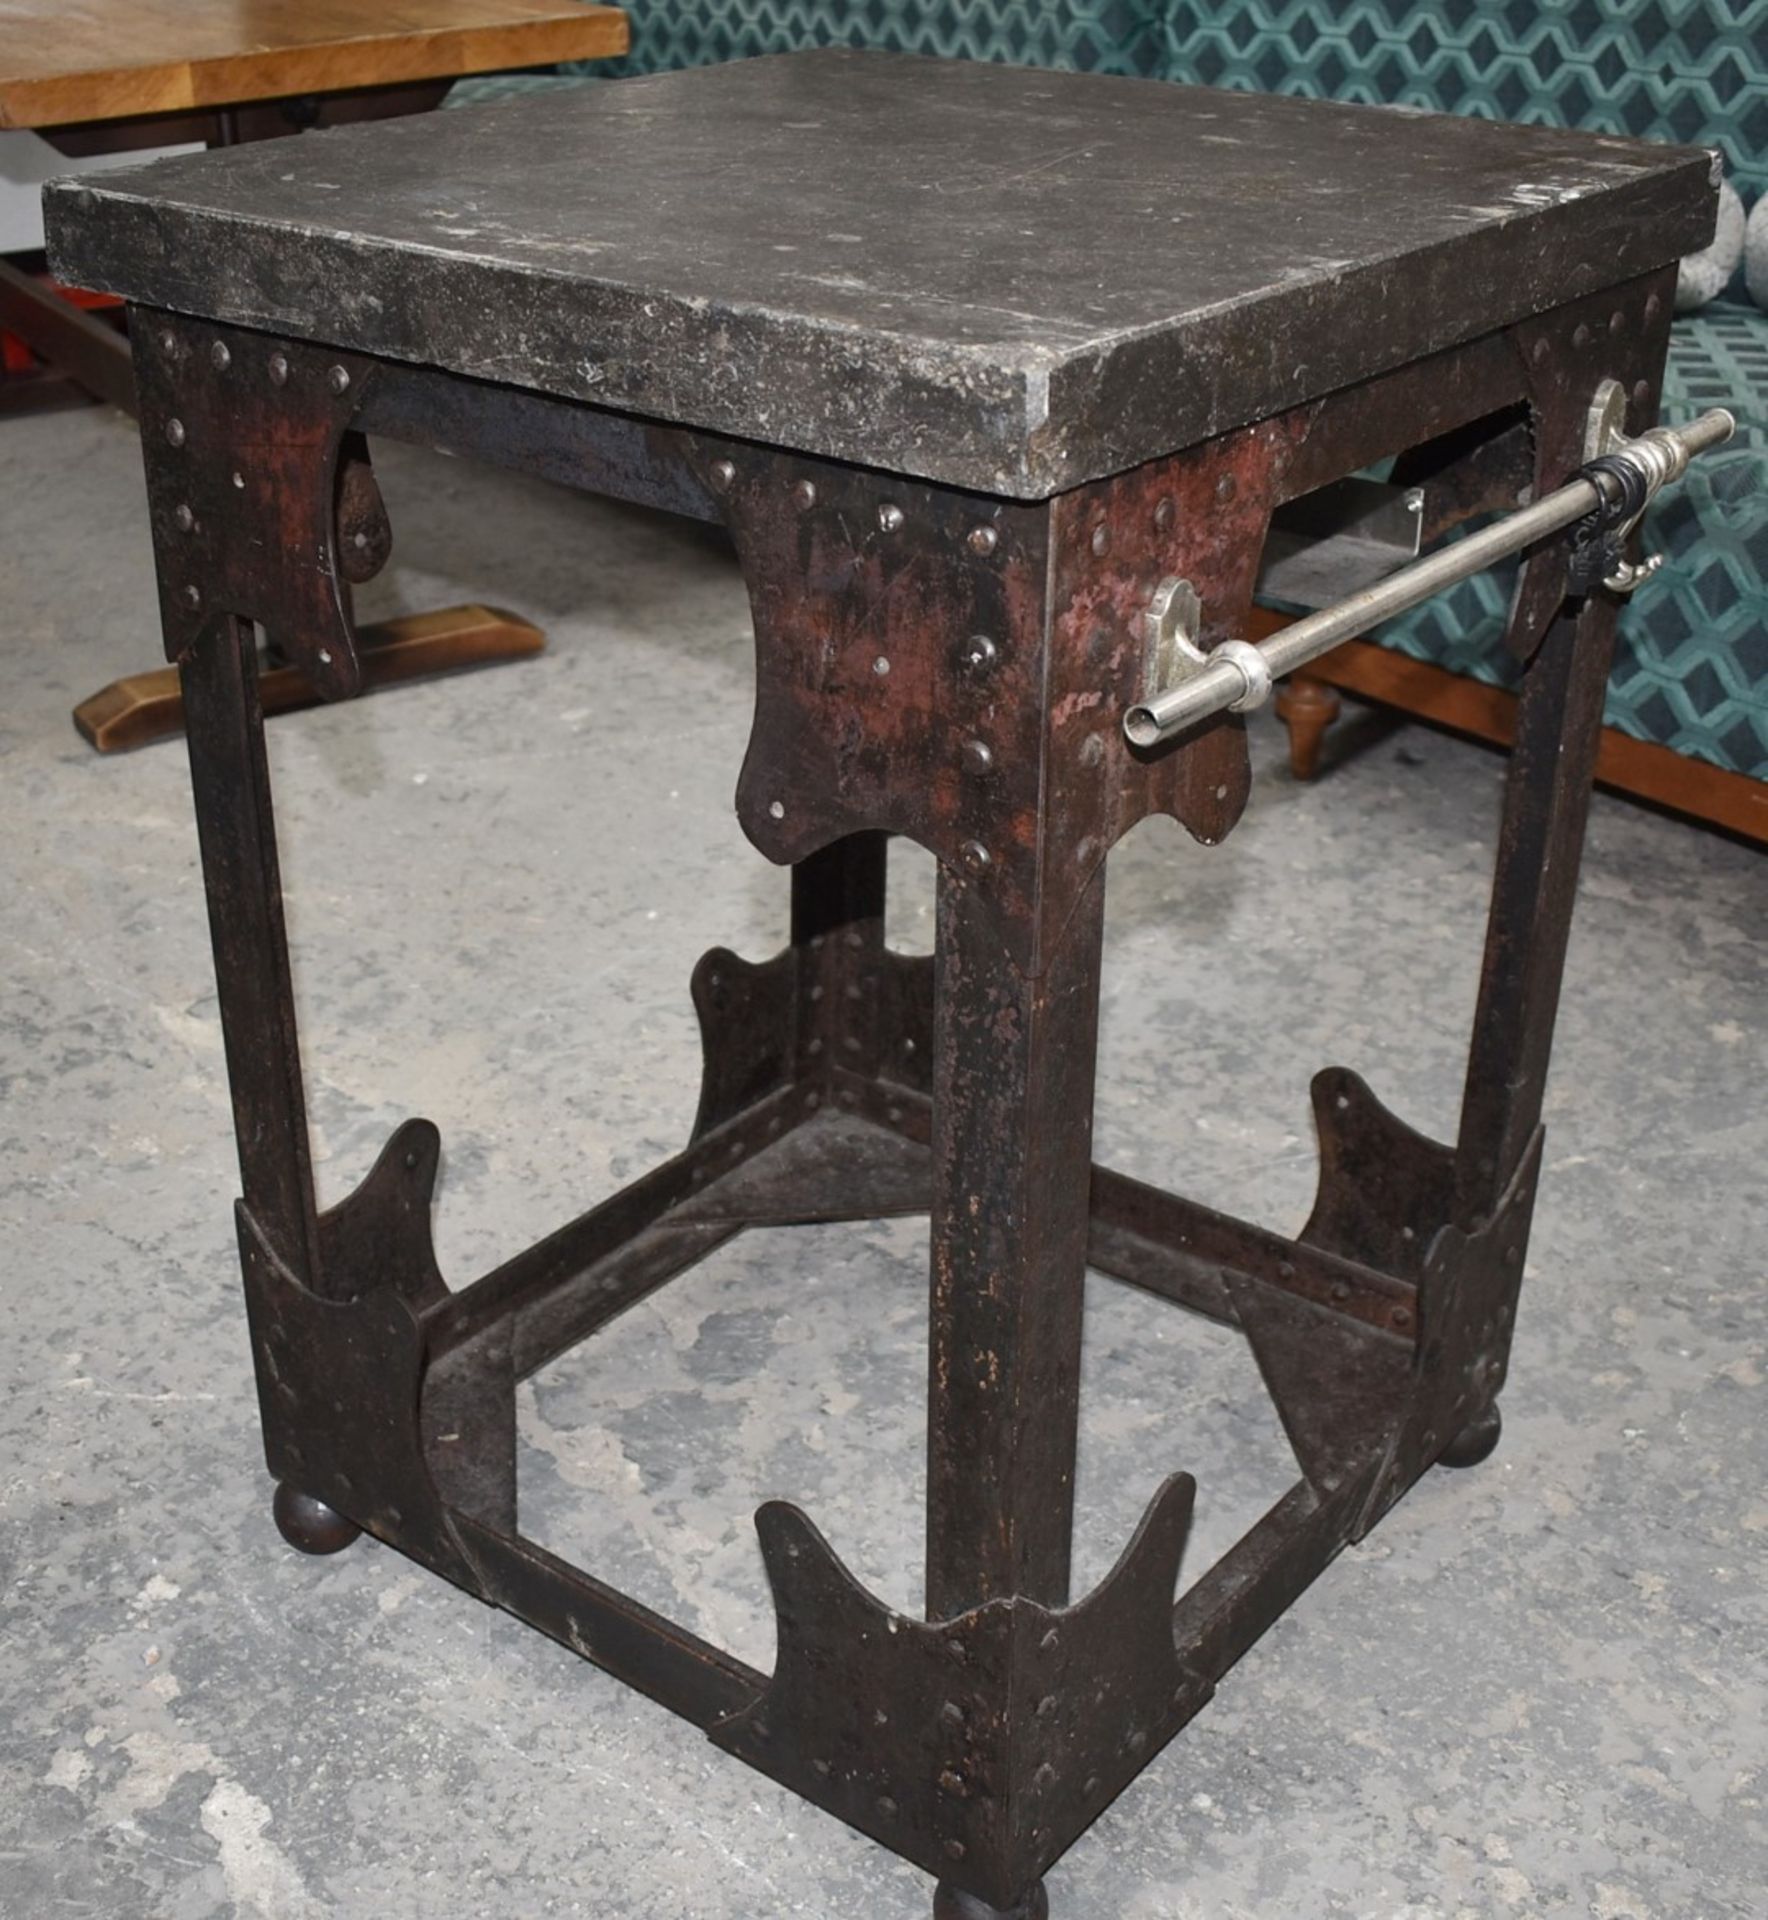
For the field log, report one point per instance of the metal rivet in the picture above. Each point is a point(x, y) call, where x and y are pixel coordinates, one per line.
point(1092, 750)
point(886, 1806)
point(1101, 538)
point(411, 1160)
point(954, 1849)
point(776, 809)
point(983, 541)
point(975, 856)
point(1400, 1317)
point(952, 1714)
point(724, 475)
point(1044, 1778)
point(1226, 487)
point(325, 656)
point(951, 1782)
point(175, 432)
point(279, 370)
point(1137, 1741)
point(1641, 393)
point(1430, 1438)
point(168, 341)
point(193, 596)
point(1653, 307)
point(183, 518)
point(1046, 1706)
point(978, 758)
point(804, 495)
point(338, 379)
point(881, 666)
point(220, 357)
point(1341, 1292)
point(889, 518)
point(239, 480)
point(1539, 351)
point(1051, 1641)
point(1616, 321)
point(1580, 335)
point(1163, 516)
point(977, 654)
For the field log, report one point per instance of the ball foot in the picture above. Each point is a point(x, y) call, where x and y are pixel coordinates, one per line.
point(310, 1524)
point(950, 1904)
point(1474, 1442)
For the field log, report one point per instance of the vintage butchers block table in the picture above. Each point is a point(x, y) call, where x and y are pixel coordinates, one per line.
point(997, 380)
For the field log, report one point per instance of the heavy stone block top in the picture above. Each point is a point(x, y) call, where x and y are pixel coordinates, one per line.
point(996, 278)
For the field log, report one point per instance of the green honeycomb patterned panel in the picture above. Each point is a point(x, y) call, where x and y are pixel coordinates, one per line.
point(1688, 70)
point(1105, 36)
point(1683, 70)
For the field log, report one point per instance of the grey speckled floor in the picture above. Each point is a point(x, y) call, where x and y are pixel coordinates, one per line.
point(1539, 1689)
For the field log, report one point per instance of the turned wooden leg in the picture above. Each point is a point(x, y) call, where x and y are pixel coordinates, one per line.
point(1307, 707)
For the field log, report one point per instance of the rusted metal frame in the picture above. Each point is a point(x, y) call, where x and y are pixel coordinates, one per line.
point(1185, 1251)
point(1012, 1158)
point(569, 441)
point(338, 1301)
point(1624, 336)
point(230, 785)
point(1175, 1247)
point(578, 1250)
point(1040, 939)
point(640, 1648)
point(1341, 1468)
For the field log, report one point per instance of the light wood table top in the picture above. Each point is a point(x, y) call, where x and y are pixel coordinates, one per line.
point(67, 61)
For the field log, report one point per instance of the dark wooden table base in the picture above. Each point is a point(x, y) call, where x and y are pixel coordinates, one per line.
point(87, 358)
point(1309, 704)
point(144, 707)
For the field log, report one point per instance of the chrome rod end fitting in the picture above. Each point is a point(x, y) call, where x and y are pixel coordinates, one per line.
point(1252, 667)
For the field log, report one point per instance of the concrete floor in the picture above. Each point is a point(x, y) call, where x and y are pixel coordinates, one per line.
point(1538, 1689)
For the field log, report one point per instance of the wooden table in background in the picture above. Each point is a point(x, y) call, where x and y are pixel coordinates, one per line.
point(99, 76)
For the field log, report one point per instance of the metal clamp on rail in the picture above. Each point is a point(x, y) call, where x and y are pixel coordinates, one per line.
point(1603, 501)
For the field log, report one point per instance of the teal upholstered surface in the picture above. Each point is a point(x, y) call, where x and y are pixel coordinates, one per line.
point(1690, 70)
point(1692, 670)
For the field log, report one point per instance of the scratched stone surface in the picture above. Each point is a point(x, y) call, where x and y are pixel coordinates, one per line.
point(1004, 279)
point(1537, 1690)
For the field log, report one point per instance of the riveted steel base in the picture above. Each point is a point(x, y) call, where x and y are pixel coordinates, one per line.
point(948, 667)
